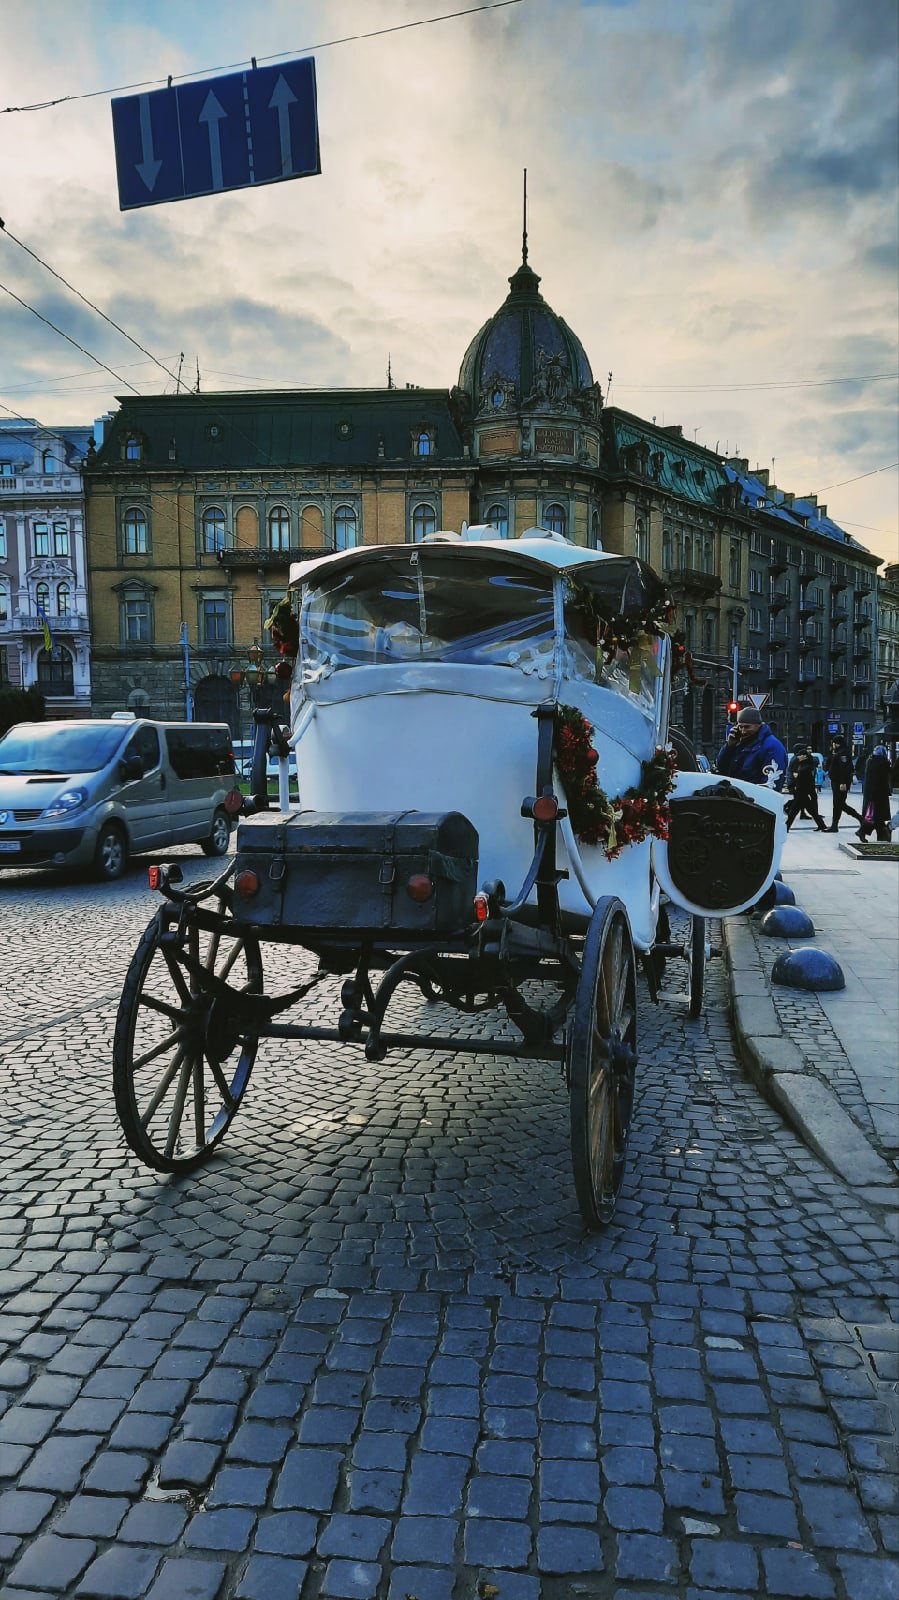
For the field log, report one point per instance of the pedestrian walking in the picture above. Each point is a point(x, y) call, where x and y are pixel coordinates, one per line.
point(876, 796)
point(752, 752)
point(838, 767)
point(803, 799)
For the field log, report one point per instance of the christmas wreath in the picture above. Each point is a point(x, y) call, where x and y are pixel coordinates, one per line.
point(285, 631)
point(638, 814)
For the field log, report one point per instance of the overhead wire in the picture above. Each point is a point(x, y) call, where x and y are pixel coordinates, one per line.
point(279, 55)
point(68, 337)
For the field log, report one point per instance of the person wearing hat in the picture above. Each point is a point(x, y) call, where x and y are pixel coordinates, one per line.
point(839, 769)
point(803, 799)
point(752, 752)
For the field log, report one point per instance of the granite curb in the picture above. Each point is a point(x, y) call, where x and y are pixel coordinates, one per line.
point(787, 1075)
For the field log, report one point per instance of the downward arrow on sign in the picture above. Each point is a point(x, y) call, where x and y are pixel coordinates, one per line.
point(147, 168)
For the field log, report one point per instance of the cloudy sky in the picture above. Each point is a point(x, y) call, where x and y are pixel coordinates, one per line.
point(712, 208)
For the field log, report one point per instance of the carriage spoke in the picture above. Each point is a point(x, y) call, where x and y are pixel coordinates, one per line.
point(153, 1003)
point(150, 1055)
point(199, 1101)
point(226, 969)
point(193, 951)
point(215, 939)
point(222, 1084)
point(178, 1110)
point(177, 976)
point(162, 1087)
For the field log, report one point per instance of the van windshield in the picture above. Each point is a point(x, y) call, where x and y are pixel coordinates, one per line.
point(56, 751)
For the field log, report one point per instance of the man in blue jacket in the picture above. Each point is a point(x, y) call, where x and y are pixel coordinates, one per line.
point(752, 752)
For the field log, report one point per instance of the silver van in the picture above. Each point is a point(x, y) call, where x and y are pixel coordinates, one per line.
point(89, 793)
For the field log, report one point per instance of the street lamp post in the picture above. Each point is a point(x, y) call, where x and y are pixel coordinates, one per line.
point(188, 692)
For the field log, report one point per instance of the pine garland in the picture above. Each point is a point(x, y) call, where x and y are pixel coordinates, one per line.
point(637, 814)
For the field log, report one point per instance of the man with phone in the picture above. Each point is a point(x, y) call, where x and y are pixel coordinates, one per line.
point(752, 752)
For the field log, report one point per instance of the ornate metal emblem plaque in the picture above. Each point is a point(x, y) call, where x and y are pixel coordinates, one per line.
point(720, 847)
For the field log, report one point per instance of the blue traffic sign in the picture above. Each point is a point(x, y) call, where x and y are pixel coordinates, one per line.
point(234, 132)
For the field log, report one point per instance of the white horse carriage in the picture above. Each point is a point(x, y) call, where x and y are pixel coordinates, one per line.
point(488, 809)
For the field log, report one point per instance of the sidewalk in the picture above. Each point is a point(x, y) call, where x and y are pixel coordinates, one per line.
point(829, 1061)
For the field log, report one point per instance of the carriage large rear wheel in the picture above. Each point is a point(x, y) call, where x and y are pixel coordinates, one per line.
point(602, 1061)
point(697, 952)
point(182, 1055)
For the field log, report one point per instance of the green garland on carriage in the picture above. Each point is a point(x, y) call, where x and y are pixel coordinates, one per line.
point(640, 813)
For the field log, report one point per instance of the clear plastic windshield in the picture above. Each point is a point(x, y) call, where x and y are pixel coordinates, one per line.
point(636, 672)
point(429, 605)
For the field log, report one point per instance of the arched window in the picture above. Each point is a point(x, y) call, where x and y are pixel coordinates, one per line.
point(55, 673)
point(423, 444)
point(132, 448)
point(595, 531)
point(63, 600)
point(213, 529)
point(424, 521)
point(4, 600)
point(42, 596)
point(134, 532)
point(667, 549)
point(554, 518)
point(710, 630)
point(279, 528)
point(498, 517)
point(344, 528)
point(641, 540)
point(707, 555)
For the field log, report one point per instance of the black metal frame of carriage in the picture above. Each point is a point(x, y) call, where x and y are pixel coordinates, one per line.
point(197, 978)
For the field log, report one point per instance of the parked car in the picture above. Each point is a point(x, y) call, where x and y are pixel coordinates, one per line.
point(89, 793)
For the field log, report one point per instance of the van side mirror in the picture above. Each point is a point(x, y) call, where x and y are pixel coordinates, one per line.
point(130, 767)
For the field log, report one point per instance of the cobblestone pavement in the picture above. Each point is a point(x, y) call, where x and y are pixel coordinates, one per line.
point(369, 1352)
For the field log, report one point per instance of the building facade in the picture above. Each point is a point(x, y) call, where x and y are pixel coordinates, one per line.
point(888, 646)
point(44, 626)
point(197, 505)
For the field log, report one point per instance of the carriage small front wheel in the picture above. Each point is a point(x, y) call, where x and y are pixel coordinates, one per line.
point(602, 1061)
point(182, 1055)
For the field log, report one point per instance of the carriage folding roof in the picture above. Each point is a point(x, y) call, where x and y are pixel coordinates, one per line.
point(619, 584)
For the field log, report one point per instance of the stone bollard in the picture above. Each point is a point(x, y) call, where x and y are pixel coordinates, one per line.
point(783, 894)
point(787, 922)
point(808, 969)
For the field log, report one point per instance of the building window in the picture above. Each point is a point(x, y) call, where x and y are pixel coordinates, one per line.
point(709, 631)
point(707, 555)
point(60, 539)
point(690, 629)
point(4, 600)
point(424, 521)
point(734, 565)
point(641, 540)
point(42, 597)
point(344, 528)
point(63, 600)
point(497, 516)
point(136, 618)
point(596, 533)
point(554, 518)
point(41, 539)
point(667, 549)
point(423, 444)
point(755, 581)
point(134, 533)
point(132, 448)
point(279, 528)
point(47, 465)
point(55, 672)
point(2, 541)
point(212, 526)
point(4, 665)
point(6, 470)
point(215, 620)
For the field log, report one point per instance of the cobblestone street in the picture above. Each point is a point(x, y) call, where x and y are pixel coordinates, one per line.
point(368, 1351)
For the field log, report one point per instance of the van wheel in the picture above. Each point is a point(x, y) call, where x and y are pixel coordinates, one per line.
point(220, 838)
point(111, 857)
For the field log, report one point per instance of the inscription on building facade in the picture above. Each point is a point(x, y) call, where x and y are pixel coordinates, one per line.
point(554, 441)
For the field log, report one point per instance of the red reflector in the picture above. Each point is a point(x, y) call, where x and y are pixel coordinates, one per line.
point(419, 887)
point(153, 876)
point(546, 808)
point(481, 907)
point(246, 884)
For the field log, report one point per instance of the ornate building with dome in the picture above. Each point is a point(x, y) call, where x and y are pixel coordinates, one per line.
point(198, 503)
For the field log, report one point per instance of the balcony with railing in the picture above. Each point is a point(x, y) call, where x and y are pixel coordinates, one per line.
point(864, 583)
point(21, 483)
point(690, 580)
point(862, 618)
point(839, 614)
point(778, 599)
point(72, 622)
point(862, 652)
point(838, 647)
point(839, 578)
point(263, 558)
point(809, 607)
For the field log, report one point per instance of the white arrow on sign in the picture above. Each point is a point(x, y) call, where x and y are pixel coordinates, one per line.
point(148, 167)
point(757, 700)
point(212, 114)
point(281, 101)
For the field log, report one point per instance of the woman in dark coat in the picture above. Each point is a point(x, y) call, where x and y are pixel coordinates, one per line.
point(876, 796)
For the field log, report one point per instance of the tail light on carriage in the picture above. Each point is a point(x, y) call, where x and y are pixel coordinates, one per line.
point(154, 877)
point(481, 907)
point(420, 887)
point(546, 808)
point(246, 884)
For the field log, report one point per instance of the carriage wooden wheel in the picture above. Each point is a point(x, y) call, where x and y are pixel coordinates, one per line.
point(602, 1060)
point(181, 1057)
